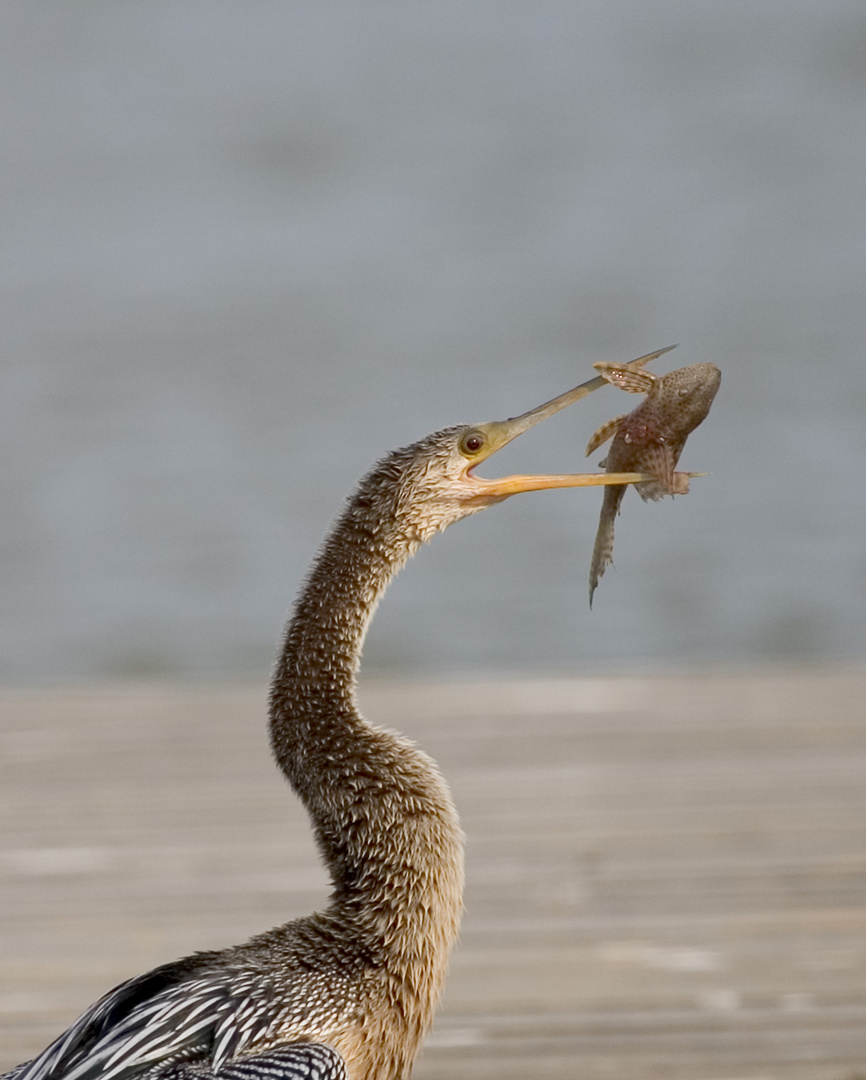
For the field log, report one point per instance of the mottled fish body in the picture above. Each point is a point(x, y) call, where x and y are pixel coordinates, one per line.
point(649, 439)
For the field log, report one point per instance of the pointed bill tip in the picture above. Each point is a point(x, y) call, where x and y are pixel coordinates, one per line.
point(518, 424)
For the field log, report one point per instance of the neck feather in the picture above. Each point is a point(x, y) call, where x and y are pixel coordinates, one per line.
point(382, 814)
point(313, 689)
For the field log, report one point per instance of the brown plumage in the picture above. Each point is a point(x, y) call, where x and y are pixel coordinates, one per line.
point(649, 439)
point(349, 991)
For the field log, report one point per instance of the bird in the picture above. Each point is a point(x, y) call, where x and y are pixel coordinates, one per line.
point(349, 992)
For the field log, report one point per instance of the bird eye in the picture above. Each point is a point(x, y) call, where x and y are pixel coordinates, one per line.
point(471, 443)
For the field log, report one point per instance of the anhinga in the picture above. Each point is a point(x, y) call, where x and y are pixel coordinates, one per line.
point(349, 991)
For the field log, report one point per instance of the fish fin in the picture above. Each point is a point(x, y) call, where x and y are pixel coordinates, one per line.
point(659, 459)
point(626, 378)
point(605, 432)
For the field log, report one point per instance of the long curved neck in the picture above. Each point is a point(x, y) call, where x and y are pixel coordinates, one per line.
point(313, 705)
point(382, 814)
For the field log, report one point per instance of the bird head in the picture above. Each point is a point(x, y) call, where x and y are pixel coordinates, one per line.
point(430, 484)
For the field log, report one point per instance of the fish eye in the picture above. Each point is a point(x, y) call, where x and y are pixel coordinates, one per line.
point(471, 443)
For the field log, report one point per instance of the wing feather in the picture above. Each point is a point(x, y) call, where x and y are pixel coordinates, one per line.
point(168, 1015)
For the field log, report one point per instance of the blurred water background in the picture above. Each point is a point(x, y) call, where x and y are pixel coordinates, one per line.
point(248, 248)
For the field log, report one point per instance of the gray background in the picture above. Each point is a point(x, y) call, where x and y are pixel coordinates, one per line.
point(247, 248)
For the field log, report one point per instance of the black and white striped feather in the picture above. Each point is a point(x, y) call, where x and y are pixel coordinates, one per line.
point(175, 1024)
point(298, 1061)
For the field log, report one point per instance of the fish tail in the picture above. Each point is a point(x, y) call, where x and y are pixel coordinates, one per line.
point(602, 551)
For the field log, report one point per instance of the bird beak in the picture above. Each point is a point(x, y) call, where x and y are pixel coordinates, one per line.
point(500, 433)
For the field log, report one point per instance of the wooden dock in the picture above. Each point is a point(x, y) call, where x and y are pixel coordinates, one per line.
point(666, 875)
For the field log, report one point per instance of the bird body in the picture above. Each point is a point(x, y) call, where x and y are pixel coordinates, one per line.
point(349, 992)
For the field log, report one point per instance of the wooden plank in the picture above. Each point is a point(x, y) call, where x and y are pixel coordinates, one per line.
point(665, 874)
